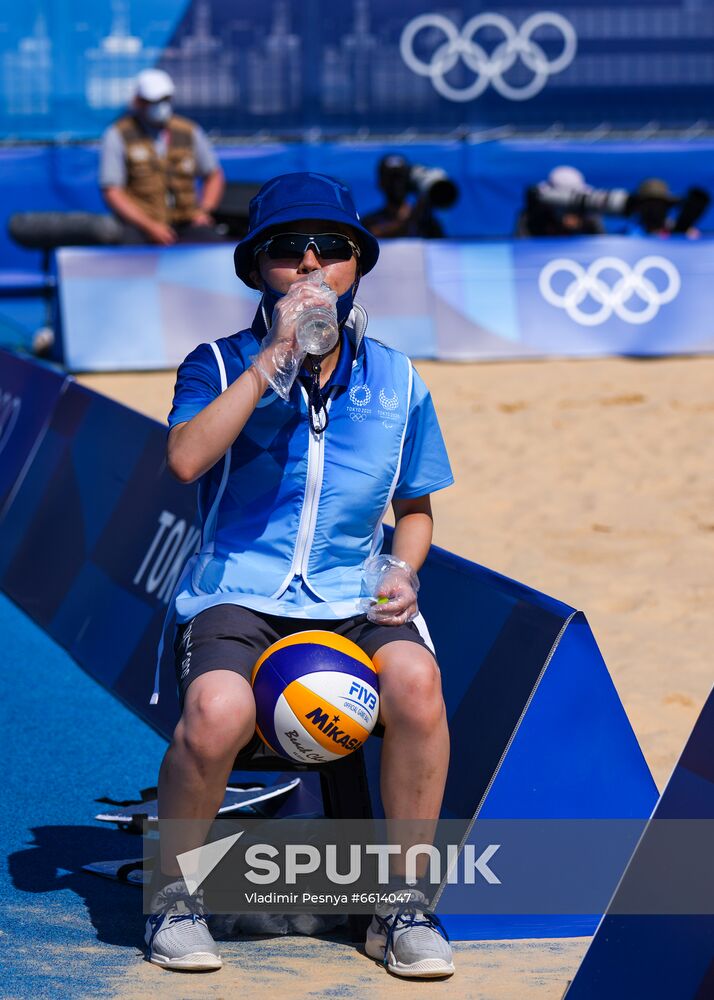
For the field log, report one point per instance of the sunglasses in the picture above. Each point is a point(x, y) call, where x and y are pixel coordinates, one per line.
point(294, 246)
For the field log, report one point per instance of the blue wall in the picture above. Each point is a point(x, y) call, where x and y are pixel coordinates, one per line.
point(491, 175)
point(272, 65)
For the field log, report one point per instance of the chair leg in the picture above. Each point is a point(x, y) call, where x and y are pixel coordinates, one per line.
point(345, 791)
point(345, 794)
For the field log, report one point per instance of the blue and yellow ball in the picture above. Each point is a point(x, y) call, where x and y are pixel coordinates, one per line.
point(316, 696)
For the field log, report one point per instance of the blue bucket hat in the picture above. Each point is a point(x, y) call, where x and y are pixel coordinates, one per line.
point(292, 197)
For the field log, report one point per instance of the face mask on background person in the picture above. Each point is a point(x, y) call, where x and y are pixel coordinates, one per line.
point(159, 112)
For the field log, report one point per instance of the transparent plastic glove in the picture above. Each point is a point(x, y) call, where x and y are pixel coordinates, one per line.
point(392, 586)
point(281, 354)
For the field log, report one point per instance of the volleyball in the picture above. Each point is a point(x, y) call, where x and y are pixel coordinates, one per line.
point(316, 697)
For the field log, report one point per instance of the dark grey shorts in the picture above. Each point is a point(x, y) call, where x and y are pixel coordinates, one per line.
point(229, 637)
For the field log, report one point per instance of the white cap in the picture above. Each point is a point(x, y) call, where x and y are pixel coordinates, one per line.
point(567, 179)
point(154, 85)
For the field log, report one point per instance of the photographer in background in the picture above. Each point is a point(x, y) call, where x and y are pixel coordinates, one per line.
point(653, 203)
point(412, 192)
point(555, 207)
point(150, 162)
point(564, 205)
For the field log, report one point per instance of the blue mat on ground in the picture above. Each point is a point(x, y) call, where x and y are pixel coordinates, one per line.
point(67, 742)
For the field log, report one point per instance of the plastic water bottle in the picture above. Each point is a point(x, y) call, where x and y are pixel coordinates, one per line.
point(317, 330)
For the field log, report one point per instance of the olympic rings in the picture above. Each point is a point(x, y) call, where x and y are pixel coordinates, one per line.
point(611, 298)
point(489, 69)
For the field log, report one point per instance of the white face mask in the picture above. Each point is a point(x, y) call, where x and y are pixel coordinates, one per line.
point(159, 113)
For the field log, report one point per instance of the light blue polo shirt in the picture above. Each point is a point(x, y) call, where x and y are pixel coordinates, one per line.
point(289, 517)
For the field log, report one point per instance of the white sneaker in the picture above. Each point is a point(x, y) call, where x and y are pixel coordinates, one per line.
point(409, 940)
point(177, 934)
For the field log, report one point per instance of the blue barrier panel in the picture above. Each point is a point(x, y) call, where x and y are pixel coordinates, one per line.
point(359, 65)
point(537, 729)
point(667, 956)
point(28, 394)
point(95, 539)
point(454, 301)
point(158, 305)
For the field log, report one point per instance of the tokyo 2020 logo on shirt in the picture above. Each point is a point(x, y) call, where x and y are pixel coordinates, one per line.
point(452, 46)
point(360, 395)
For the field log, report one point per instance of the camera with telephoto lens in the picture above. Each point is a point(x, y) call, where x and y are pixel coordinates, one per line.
point(592, 201)
point(398, 178)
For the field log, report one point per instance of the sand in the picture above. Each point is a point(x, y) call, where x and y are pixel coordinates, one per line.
point(592, 481)
point(298, 968)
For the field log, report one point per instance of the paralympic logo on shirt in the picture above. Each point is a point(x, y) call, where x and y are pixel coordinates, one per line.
point(388, 402)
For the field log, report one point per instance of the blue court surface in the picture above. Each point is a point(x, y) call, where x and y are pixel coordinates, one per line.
point(66, 742)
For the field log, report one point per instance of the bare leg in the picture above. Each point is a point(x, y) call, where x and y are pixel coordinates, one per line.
point(415, 752)
point(218, 720)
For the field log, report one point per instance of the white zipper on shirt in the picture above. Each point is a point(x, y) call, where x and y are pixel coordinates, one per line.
point(310, 503)
point(313, 490)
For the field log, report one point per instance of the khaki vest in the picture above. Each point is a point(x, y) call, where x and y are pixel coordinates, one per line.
point(164, 186)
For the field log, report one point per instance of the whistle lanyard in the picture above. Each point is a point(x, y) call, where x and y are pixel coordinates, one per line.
point(310, 380)
point(316, 404)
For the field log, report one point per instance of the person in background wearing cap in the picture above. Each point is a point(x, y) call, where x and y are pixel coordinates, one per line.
point(298, 458)
point(653, 205)
point(149, 164)
point(543, 214)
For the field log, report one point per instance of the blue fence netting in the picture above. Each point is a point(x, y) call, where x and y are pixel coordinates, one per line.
point(491, 176)
point(270, 65)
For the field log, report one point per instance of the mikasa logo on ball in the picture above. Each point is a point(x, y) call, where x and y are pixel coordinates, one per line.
point(330, 727)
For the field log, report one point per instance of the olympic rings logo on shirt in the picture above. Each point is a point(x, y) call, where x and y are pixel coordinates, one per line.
point(632, 283)
point(489, 68)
